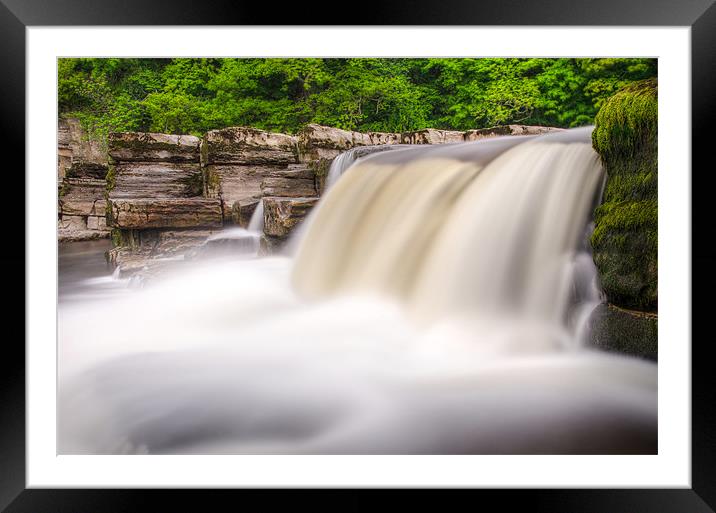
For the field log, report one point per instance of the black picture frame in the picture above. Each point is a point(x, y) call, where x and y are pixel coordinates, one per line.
point(700, 15)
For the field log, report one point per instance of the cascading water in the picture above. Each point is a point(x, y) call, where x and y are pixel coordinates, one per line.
point(435, 304)
point(346, 159)
point(256, 223)
point(234, 242)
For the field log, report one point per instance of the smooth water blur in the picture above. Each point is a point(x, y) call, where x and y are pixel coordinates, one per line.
point(84, 274)
point(425, 312)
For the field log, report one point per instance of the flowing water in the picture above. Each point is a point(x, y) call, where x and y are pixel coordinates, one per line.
point(436, 304)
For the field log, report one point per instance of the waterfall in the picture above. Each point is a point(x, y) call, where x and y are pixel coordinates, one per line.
point(479, 230)
point(256, 223)
point(346, 159)
point(436, 304)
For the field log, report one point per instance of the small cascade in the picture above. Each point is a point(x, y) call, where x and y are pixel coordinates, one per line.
point(346, 159)
point(256, 223)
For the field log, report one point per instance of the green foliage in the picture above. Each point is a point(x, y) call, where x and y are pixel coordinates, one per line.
point(191, 96)
point(625, 238)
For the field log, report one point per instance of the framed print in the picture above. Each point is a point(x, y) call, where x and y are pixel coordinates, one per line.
point(257, 189)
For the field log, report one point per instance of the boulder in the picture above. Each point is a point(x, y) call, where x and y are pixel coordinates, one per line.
point(242, 145)
point(625, 237)
point(501, 130)
point(241, 212)
point(433, 136)
point(377, 138)
point(624, 331)
point(282, 215)
point(155, 180)
point(317, 142)
point(142, 214)
point(320, 169)
point(151, 147)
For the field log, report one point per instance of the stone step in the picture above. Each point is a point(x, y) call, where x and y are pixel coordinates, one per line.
point(150, 213)
point(152, 147)
point(242, 145)
point(282, 215)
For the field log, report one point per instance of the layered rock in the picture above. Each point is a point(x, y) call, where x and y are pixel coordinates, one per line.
point(156, 204)
point(148, 253)
point(237, 160)
point(148, 165)
point(78, 154)
point(153, 147)
point(316, 142)
point(282, 215)
point(502, 130)
point(82, 168)
point(242, 211)
point(243, 145)
point(82, 197)
point(295, 181)
point(156, 180)
point(151, 213)
point(432, 136)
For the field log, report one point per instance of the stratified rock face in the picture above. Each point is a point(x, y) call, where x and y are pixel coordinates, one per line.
point(282, 215)
point(624, 331)
point(237, 160)
point(625, 237)
point(296, 181)
point(164, 213)
point(241, 212)
point(151, 147)
point(317, 142)
point(432, 136)
point(156, 180)
point(78, 155)
point(231, 183)
point(496, 131)
point(81, 208)
point(241, 145)
point(82, 197)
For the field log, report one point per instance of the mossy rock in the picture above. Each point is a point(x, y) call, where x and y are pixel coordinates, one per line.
point(625, 236)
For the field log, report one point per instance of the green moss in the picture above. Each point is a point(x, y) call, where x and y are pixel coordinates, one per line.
point(625, 238)
point(211, 182)
point(138, 141)
point(64, 188)
point(116, 236)
point(111, 179)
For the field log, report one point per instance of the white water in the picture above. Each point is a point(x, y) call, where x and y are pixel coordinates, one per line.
point(436, 305)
